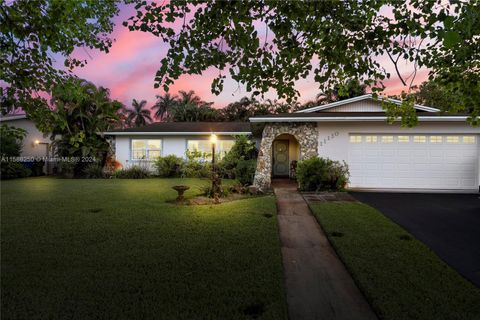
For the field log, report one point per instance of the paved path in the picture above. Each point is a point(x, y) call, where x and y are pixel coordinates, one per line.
point(318, 285)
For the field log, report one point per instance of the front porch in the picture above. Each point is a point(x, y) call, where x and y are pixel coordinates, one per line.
point(282, 145)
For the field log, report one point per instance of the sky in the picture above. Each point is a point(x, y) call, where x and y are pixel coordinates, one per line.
point(129, 68)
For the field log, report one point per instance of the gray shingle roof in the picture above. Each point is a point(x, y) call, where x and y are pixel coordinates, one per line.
point(188, 127)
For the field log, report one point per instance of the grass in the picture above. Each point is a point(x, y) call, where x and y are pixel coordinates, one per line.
point(114, 249)
point(400, 276)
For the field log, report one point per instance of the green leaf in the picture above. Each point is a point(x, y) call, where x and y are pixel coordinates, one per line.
point(451, 38)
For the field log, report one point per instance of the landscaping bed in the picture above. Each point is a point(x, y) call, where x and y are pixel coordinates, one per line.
point(399, 275)
point(111, 249)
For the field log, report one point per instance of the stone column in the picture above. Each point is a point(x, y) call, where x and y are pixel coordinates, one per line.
point(306, 135)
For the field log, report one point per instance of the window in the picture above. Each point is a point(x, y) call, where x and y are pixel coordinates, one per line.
point(355, 139)
point(419, 139)
point(371, 139)
point(146, 149)
point(436, 139)
point(403, 139)
point(453, 139)
point(387, 139)
point(204, 146)
point(469, 139)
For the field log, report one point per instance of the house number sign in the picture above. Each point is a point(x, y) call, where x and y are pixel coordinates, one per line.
point(328, 138)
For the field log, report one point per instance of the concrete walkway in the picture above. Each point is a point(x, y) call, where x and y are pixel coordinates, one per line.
point(317, 283)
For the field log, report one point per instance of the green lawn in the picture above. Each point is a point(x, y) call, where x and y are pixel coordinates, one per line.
point(401, 277)
point(114, 249)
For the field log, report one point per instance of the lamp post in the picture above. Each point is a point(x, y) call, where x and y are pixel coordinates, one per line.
point(47, 160)
point(215, 182)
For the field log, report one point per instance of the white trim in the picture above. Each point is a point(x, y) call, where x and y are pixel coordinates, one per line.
point(413, 190)
point(335, 104)
point(353, 119)
point(18, 117)
point(123, 133)
point(361, 98)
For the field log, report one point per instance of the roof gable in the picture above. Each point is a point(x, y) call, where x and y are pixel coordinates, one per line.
point(365, 103)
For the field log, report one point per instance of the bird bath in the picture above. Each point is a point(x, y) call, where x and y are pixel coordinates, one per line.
point(180, 190)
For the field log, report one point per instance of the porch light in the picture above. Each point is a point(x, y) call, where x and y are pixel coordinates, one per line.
point(213, 138)
point(36, 142)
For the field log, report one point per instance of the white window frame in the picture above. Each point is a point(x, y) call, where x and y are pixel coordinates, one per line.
point(469, 139)
point(147, 149)
point(453, 139)
point(218, 151)
point(356, 139)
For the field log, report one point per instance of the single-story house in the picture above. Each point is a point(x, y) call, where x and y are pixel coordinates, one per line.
point(440, 153)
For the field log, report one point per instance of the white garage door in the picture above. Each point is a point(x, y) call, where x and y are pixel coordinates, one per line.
point(413, 161)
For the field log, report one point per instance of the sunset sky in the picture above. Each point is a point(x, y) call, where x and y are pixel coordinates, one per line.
point(129, 70)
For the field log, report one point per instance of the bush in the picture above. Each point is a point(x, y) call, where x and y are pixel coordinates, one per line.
point(245, 171)
point(12, 170)
point(134, 172)
point(207, 191)
point(93, 171)
point(67, 168)
point(238, 162)
point(169, 166)
point(320, 174)
point(197, 169)
point(37, 168)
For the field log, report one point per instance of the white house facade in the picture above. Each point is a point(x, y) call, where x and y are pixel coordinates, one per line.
point(440, 153)
point(141, 146)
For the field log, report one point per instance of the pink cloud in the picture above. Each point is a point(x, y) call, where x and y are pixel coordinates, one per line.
point(129, 70)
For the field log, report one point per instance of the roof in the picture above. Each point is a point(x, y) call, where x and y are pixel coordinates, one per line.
point(186, 128)
point(13, 117)
point(361, 98)
point(350, 116)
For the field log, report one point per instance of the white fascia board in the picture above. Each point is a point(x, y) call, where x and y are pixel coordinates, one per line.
point(417, 106)
point(353, 119)
point(360, 98)
point(174, 133)
point(335, 104)
point(21, 116)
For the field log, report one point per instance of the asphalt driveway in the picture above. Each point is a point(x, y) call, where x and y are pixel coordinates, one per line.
point(447, 223)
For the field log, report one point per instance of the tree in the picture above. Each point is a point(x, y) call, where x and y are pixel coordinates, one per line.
point(164, 105)
point(266, 44)
point(432, 94)
point(190, 107)
point(350, 89)
point(78, 114)
point(32, 31)
point(138, 116)
point(194, 113)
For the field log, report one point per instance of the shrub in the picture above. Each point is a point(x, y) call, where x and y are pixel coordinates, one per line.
point(11, 139)
point(67, 168)
point(37, 168)
point(169, 166)
point(319, 174)
point(207, 191)
point(243, 154)
point(245, 171)
point(112, 165)
point(12, 170)
point(197, 169)
point(133, 172)
point(93, 171)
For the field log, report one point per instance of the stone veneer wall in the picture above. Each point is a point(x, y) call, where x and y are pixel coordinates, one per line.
point(306, 135)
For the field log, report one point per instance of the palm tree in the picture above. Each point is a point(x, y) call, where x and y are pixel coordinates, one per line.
point(164, 105)
point(189, 98)
point(139, 115)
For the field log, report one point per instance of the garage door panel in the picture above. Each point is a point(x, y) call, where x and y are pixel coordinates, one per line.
point(414, 161)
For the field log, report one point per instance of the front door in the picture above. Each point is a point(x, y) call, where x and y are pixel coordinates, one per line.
point(280, 158)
